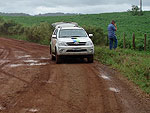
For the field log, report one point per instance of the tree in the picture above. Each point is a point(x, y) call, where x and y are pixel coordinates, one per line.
point(135, 10)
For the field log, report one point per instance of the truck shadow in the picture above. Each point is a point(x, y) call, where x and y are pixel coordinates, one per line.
point(74, 61)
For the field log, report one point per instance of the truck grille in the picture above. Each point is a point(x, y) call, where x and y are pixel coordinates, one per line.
point(82, 50)
point(76, 43)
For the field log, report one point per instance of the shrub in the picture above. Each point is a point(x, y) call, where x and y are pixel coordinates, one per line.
point(135, 11)
point(39, 33)
point(99, 37)
point(10, 27)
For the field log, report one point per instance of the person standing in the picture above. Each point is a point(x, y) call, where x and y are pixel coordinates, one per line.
point(113, 42)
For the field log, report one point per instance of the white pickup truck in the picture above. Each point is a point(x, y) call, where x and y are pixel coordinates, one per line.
point(68, 39)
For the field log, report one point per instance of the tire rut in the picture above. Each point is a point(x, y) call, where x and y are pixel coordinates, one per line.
point(57, 88)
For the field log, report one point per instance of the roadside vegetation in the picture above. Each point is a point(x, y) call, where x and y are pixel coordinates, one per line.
point(135, 11)
point(133, 64)
point(126, 23)
point(41, 33)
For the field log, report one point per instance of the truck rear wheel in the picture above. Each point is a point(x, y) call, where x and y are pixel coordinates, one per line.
point(90, 59)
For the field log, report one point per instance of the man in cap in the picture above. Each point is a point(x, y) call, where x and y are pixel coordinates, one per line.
point(112, 36)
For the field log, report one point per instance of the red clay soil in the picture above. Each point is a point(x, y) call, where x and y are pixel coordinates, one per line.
point(31, 83)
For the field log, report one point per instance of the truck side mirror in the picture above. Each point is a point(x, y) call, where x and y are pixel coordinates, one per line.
point(90, 35)
point(54, 36)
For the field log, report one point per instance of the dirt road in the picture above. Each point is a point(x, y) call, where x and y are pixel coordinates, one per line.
point(31, 83)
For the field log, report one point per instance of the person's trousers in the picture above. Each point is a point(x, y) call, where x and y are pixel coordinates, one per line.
point(113, 43)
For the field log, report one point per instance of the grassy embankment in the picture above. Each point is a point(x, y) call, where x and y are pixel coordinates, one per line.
point(133, 64)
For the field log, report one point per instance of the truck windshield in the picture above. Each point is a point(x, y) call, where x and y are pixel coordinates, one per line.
point(67, 33)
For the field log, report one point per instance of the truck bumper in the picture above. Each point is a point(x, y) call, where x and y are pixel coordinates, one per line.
point(75, 51)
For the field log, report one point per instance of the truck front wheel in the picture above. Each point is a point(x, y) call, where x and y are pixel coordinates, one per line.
point(58, 60)
point(90, 59)
point(51, 54)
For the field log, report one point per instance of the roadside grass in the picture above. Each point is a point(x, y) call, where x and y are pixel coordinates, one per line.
point(25, 38)
point(17, 37)
point(135, 65)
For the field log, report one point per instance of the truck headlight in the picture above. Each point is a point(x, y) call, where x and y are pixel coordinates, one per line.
point(89, 43)
point(62, 44)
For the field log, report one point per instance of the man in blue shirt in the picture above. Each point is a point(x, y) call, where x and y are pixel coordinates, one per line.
point(112, 36)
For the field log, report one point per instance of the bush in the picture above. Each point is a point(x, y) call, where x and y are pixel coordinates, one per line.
point(99, 37)
point(10, 27)
point(16, 29)
point(39, 33)
point(1, 25)
point(135, 11)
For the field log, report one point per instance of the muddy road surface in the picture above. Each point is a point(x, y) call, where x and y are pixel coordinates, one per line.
point(31, 83)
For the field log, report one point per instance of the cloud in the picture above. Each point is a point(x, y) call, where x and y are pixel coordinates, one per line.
point(68, 6)
point(85, 9)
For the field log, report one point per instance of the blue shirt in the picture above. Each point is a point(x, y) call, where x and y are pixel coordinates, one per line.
point(111, 31)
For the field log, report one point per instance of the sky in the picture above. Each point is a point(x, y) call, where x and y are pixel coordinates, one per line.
point(34, 7)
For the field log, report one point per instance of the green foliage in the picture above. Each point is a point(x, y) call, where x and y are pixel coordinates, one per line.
point(99, 37)
point(125, 23)
point(133, 64)
point(10, 27)
point(39, 33)
point(135, 11)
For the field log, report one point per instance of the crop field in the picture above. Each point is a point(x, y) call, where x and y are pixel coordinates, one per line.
point(125, 21)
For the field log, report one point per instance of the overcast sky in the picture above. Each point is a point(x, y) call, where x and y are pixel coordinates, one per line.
point(68, 6)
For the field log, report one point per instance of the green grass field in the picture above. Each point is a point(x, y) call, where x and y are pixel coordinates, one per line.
point(125, 22)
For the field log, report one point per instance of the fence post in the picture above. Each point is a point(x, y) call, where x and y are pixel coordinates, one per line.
point(145, 42)
point(124, 41)
point(133, 40)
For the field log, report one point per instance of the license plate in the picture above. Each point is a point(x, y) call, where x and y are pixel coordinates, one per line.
point(76, 49)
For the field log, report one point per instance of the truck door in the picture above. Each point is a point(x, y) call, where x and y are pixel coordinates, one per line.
point(54, 39)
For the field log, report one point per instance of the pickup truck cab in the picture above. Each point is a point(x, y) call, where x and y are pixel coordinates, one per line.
point(68, 39)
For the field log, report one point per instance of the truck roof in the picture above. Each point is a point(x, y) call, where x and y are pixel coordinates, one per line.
point(71, 27)
point(64, 24)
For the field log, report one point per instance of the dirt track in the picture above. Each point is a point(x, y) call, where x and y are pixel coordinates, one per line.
point(31, 83)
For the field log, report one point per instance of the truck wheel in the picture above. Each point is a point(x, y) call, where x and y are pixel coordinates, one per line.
point(50, 50)
point(90, 59)
point(58, 60)
point(52, 56)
